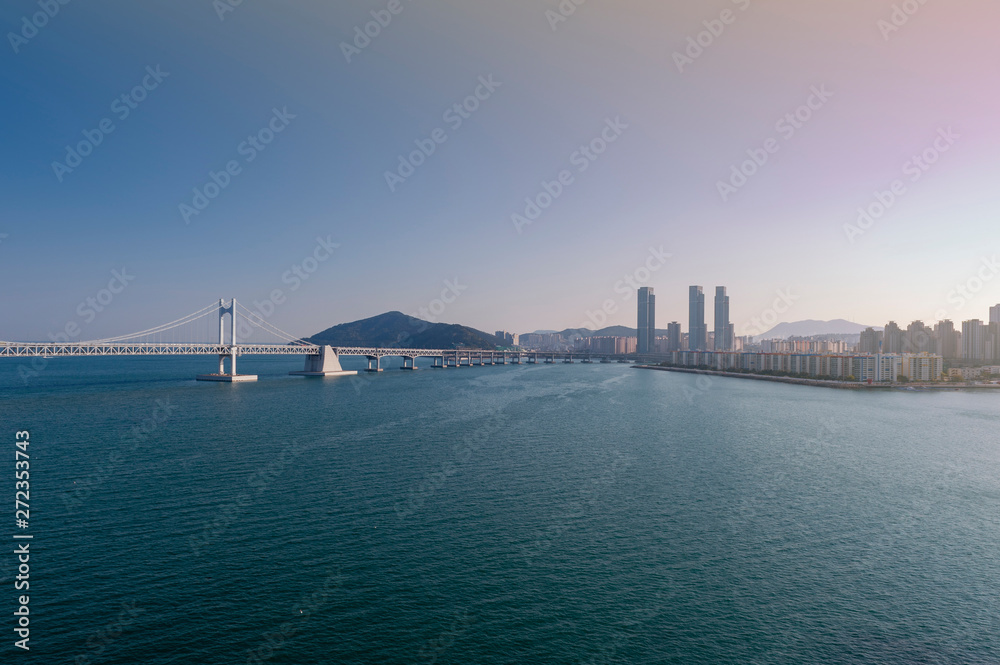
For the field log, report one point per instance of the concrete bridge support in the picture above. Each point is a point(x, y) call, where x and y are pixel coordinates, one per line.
point(326, 363)
point(412, 365)
point(376, 367)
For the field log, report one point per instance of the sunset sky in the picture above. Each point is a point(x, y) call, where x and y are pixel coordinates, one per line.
point(669, 117)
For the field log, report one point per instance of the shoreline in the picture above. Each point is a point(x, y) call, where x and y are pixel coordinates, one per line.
point(822, 383)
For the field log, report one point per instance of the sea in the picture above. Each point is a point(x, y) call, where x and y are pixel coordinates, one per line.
point(565, 513)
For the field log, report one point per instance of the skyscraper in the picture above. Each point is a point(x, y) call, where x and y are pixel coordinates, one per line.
point(697, 331)
point(995, 314)
point(870, 341)
point(892, 338)
point(918, 338)
point(948, 340)
point(646, 320)
point(673, 336)
point(973, 340)
point(723, 329)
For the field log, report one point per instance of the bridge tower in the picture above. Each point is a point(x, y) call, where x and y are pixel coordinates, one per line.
point(231, 349)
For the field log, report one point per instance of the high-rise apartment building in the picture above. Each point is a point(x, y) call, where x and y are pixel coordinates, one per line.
point(871, 341)
point(892, 338)
point(995, 314)
point(948, 340)
point(918, 338)
point(973, 340)
point(646, 320)
point(723, 329)
point(697, 330)
point(673, 336)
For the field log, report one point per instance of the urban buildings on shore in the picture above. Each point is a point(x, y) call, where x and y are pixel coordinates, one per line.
point(877, 368)
point(508, 339)
point(918, 352)
point(976, 342)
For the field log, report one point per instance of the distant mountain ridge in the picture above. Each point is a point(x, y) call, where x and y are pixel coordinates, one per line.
point(610, 331)
point(395, 330)
point(811, 327)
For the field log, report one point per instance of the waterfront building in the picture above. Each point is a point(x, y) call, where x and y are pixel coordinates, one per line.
point(973, 340)
point(646, 320)
point(697, 330)
point(949, 340)
point(892, 338)
point(723, 328)
point(922, 367)
point(870, 342)
point(917, 339)
point(673, 336)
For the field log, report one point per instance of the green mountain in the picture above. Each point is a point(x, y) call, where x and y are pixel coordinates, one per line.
point(395, 330)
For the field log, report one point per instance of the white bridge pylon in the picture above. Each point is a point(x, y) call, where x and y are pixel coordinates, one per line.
point(251, 334)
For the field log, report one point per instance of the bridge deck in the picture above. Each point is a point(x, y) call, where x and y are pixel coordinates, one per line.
point(56, 349)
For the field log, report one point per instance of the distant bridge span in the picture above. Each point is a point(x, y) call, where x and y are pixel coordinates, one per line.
point(319, 360)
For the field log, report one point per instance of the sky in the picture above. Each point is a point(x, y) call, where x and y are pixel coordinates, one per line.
point(158, 156)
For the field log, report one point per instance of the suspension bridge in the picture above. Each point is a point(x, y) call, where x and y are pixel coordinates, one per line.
point(203, 333)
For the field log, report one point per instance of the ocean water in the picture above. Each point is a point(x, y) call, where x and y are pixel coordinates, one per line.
point(510, 514)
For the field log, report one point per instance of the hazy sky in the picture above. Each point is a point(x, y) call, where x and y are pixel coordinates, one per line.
point(669, 119)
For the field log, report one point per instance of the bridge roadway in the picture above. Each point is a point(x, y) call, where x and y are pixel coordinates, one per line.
point(319, 361)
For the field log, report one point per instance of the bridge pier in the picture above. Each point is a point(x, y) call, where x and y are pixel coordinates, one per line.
point(326, 363)
point(438, 362)
point(377, 367)
point(411, 366)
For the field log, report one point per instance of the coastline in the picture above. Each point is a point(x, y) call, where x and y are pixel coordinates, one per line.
point(821, 383)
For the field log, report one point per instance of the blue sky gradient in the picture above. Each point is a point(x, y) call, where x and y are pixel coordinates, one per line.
point(656, 185)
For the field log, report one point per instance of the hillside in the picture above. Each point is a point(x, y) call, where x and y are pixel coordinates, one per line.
point(397, 330)
point(811, 327)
